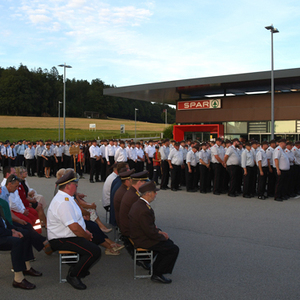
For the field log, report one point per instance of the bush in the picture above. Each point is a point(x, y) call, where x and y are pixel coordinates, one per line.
point(168, 132)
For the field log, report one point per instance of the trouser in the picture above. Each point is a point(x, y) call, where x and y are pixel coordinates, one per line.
point(92, 168)
point(204, 177)
point(139, 166)
point(183, 177)
point(89, 253)
point(156, 173)
point(58, 165)
point(240, 179)
point(190, 178)
point(247, 188)
point(218, 172)
point(271, 182)
point(253, 188)
point(225, 180)
point(175, 176)
point(30, 166)
point(30, 218)
point(281, 184)
point(103, 169)
point(20, 160)
point(262, 180)
point(21, 250)
point(233, 171)
point(36, 239)
point(67, 161)
point(40, 165)
point(11, 162)
point(165, 174)
point(166, 255)
point(149, 167)
point(132, 164)
point(79, 168)
point(297, 178)
point(291, 181)
point(97, 169)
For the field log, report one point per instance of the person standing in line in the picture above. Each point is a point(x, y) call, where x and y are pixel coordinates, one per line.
point(121, 154)
point(140, 158)
point(262, 164)
point(29, 158)
point(272, 169)
point(291, 173)
point(57, 154)
point(67, 156)
point(175, 160)
point(149, 152)
point(296, 151)
point(247, 163)
point(164, 153)
point(93, 157)
point(39, 159)
point(190, 170)
point(156, 164)
point(204, 165)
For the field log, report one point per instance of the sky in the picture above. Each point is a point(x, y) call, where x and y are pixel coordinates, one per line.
point(134, 42)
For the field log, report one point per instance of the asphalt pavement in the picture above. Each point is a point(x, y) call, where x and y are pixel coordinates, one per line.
point(230, 248)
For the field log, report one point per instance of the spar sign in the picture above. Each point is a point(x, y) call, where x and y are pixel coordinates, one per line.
point(199, 104)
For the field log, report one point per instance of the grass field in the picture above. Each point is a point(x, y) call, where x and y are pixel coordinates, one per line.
point(32, 128)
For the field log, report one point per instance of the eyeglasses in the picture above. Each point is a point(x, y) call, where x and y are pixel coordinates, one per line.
point(12, 178)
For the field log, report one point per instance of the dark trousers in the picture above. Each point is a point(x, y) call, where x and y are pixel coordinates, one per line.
point(233, 171)
point(21, 250)
point(156, 173)
point(92, 168)
point(67, 161)
point(183, 177)
point(79, 168)
point(149, 167)
point(165, 174)
point(271, 182)
point(57, 165)
point(139, 166)
point(253, 188)
point(297, 178)
point(204, 177)
point(89, 253)
point(40, 166)
point(166, 255)
point(218, 172)
point(262, 181)
point(103, 169)
point(30, 167)
point(291, 181)
point(132, 164)
point(281, 184)
point(247, 188)
point(20, 160)
point(175, 176)
point(190, 178)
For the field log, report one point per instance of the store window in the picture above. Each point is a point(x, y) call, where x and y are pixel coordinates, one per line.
point(236, 127)
point(284, 126)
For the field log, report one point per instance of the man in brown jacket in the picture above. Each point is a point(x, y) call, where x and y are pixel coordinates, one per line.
point(145, 234)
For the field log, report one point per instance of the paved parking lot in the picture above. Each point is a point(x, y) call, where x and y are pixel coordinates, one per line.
point(230, 248)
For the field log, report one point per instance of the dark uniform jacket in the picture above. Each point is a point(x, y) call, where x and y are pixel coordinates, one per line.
point(130, 197)
point(143, 230)
point(117, 201)
point(4, 232)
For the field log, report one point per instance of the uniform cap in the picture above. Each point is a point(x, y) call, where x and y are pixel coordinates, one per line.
point(68, 177)
point(140, 176)
point(148, 187)
point(126, 175)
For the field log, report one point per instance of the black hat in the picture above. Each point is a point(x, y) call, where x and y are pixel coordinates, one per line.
point(68, 177)
point(148, 187)
point(141, 176)
point(126, 175)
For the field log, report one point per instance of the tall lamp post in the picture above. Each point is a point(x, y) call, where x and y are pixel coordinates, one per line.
point(59, 103)
point(272, 30)
point(135, 110)
point(64, 99)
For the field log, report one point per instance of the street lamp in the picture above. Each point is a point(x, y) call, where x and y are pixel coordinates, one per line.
point(59, 103)
point(272, 30)
point(135, 110)
point(64, 98)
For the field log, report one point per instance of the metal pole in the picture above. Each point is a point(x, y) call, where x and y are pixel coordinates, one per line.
point(166, 118)
point(272, 88)
point(135, 124)
point(64, 104)
point(59, 120)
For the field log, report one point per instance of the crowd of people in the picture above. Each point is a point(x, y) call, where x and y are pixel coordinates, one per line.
point(221, 166)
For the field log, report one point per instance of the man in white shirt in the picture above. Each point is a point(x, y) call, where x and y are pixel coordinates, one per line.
point(272, 169)
point(67, 230)
point(58, 157)
point(190, 170)
point(149, 152)
point(140, 158)
point(103, 168)
point(94, 158)
point(132, 156)
point(291, 174)
point(296, 151)
point(204, 165)
point(175, 160)
point(121, 154)
point(110, 153)
point(164, 151)
point(282, 165)
point(29, 158)
point(262, 163)
point(247, 163)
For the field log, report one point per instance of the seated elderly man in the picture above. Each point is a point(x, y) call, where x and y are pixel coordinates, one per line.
point(67, 230)
point(18, 241)
point(145, 234)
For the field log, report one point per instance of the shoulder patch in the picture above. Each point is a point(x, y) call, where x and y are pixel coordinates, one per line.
point(66, 199)
point(148, 206)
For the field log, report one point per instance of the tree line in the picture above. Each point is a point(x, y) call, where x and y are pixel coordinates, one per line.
point(37, 92)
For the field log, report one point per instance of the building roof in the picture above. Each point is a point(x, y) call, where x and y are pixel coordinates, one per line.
point(169, 92)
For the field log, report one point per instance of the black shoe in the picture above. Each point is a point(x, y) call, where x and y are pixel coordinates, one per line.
point(179, 189)
point(231, 195)
point(76, 282)
point(167, 187)
point(285, 198)
point(261, 197)
point(278, 199)
point(216, 193)
point(92, 181)
point(174, 190)
point(191, 191)
point(160, 279)
point(163, 188)
point(247, 196)
point(203, 192)
point(143, 264)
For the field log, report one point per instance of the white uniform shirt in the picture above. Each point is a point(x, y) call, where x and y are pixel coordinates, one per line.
point(270, 152)
point(106, 189)
point(284, 163)
point(58, 151)
point(47, 152)
point(67, 150)
point(39, 150)
point(93, 151)
point(121, 155)
point(204, 155)
point(291, 156)
point(184, 152)
point(164, 152)
point(296, 152)
point(191, 158)
point(16, 203)
point(102, 150)
point(176, 157)
point(233, 156)
point(216, 150)
point(132, 154)
point(140, 153)
point(62, 212)
point(150, 150)
point(3, 151)
point(262, 156)
point(29, 153)
point(109, 151)
point(247, 159)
